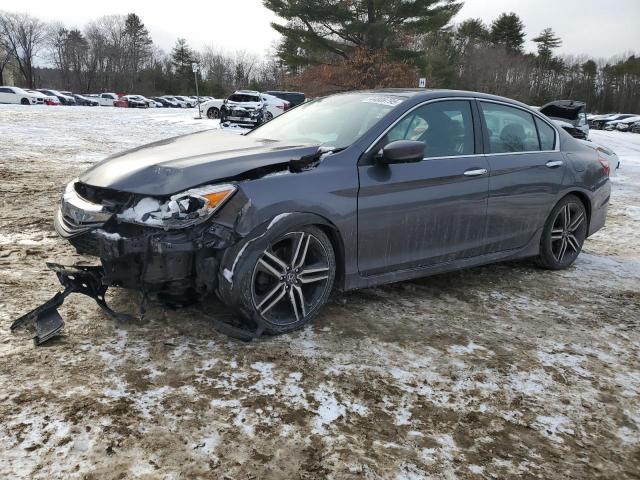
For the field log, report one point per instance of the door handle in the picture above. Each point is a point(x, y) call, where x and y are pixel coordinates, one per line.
point(554, 163)
point(475, 172)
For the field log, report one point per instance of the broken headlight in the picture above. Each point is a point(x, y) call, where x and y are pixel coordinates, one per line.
point(182, 209)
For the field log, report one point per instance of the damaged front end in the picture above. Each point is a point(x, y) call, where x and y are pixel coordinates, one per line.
point(169, 247)
point(164, 246)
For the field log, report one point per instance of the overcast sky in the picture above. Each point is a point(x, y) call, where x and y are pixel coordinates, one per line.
point(595, 27)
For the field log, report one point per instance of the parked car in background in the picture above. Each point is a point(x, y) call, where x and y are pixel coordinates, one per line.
point(48, 99)
point(42, 98)
point(600, 122)
point(64, 99)
point(570, 115)
point(186, 100)
point(635, 128)
point(623, 125)
point(86, 101)
point(211, 108)
point(294, 98)
point(107, 99)
point(244, 107)
point(130, 101)
point(274, 106)
point(165, 102)
point(335, 195)
point(147, 101)
point(19, 96)
point(181, 103)
point(246, 102)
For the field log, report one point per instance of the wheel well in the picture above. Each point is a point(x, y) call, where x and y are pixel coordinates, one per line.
point(338, 249)
point(586, 202)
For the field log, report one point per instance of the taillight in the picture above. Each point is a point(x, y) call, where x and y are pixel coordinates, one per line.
point(605, 163)
point(281, 107)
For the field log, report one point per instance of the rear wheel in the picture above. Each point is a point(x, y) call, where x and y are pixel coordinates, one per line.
point(564, 234)
point(268, 116)
point(213, 113)
point(286, 282)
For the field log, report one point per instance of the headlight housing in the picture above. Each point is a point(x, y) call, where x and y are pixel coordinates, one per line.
point(182, 210)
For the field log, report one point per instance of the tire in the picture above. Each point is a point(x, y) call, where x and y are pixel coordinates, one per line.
point(213, 113)
point(270, 283)
point(564, 234)
point(268, 116)
point(25, 101)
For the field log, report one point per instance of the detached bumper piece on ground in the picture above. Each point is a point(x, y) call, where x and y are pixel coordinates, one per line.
point(84, 280)
point(87, 280)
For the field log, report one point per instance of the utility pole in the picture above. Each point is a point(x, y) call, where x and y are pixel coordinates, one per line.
point(196, 67)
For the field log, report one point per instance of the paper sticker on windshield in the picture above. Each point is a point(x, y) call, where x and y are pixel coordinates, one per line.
point(382, 100)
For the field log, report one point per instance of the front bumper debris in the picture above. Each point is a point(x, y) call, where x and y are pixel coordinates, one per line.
point(85, 280)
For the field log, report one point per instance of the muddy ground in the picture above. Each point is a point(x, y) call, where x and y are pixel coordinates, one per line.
point(503, 371)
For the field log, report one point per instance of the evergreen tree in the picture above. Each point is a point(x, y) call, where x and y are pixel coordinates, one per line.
point(317, 31)
point(508, 31)
point(547, 41)
point(472, 31)
point(181, 58)
point(138, 44)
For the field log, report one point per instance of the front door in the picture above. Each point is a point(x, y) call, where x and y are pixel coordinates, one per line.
point(433, 211)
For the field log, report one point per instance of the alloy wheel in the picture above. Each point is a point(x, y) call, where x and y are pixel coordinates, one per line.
point(290, 279)
point(568, 232)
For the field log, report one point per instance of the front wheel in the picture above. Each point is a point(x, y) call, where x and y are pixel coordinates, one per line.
point(25, 101)
point(564, 234)
point(285, 282)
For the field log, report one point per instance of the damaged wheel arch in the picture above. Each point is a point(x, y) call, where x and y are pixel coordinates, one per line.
point(260, 237)
point(239, 263)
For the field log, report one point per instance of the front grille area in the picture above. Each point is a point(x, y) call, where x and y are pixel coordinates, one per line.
point(103, 196)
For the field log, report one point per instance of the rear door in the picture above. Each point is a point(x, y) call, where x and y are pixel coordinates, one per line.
point(433, 211)
point(527, 169)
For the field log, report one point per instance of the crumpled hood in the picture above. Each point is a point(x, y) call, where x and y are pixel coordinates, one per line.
point(565, 109)
point(176, 164)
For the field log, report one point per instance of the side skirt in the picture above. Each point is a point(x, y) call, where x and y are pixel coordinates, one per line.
point(531, 249)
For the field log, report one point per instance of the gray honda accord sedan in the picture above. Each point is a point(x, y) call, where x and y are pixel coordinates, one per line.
point(344, 192)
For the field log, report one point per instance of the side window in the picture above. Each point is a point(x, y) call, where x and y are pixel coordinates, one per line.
point(446, 128)
point(509, 129)
point(547, 135)
point(5, 90)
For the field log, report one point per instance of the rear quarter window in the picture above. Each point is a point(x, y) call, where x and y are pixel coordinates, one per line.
point(547, 135)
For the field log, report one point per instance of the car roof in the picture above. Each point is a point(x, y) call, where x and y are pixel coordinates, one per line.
point(421, 94)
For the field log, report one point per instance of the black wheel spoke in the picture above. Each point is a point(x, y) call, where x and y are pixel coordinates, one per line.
point(271, 298)
point(573, 243)
point(576, 222)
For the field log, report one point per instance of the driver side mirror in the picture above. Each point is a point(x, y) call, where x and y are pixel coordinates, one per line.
point(401, 151)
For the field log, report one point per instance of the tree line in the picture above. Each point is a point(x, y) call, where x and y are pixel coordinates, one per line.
point(326, 47)
point(116, 53)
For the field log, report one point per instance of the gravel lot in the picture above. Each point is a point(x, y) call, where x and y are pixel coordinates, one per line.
point(496, 372)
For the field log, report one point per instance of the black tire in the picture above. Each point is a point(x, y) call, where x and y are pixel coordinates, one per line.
point(213, 113)
point(564, 234)
point(25, 101)
point(268, 116)
point(301, 295)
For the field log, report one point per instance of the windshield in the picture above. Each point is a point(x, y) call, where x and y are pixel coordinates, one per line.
point(334, 122)
point(243, 98)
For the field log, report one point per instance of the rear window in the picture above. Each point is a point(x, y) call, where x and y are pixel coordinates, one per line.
point(509, 129)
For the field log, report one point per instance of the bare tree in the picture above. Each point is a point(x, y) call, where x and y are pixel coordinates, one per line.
point(5, 57)
point(23, 36)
